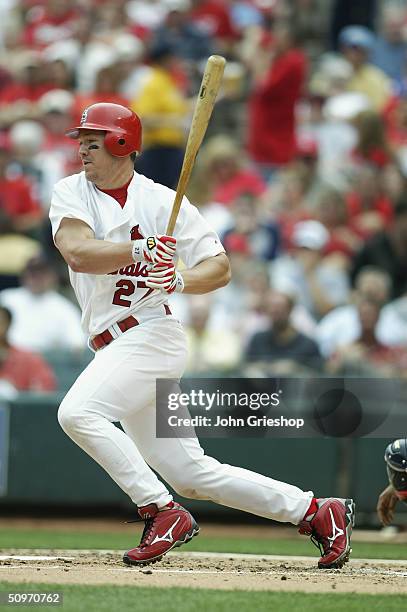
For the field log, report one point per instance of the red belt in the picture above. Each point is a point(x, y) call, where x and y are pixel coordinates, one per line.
point(105, 337)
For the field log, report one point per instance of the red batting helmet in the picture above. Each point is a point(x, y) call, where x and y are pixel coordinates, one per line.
point(122, 127)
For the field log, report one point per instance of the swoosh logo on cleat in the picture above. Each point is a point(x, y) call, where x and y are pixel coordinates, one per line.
point(336, 531)
point(167, 537)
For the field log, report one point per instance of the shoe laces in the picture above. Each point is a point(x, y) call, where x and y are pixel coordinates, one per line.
point(317, 540)
point(148, 527)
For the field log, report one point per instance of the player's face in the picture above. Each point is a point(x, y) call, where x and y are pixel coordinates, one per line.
point(96, 161)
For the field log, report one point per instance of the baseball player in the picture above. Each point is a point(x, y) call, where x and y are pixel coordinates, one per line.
point(395, 457)
point(109, 224)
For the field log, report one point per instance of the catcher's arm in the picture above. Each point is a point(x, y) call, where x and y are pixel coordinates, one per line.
point(386, 504)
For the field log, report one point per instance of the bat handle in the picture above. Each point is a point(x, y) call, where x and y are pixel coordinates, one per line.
point(174, 215)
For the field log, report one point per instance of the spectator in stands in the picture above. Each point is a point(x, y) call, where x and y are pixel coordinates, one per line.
point(305, 166)
point(213, 17)
point(369, 209)
point(24, 370)
point(366, 355)
point(256, 316)
point(356, 43)
point(260, 239)
point(332, 211)
point(15, 251)
point(230, 305)
point(55, 109)
point(387, 250)
point(60, 73)
point(222, 174)
point(255, 304)
point(209, 349)
point(111, 20)
point(341, 326)
point(146, 15)
point(53, 20)
point(285, 201)
point(17, 199)
point(319, 283)
point(188, 40)
point(245, 15)
point(392, 183)
point(394, 322)
point(276, 89)
point(42, 168)
point(42, 318)
point(372, 146)
point(390, 48)
point(164, 110)
point(18, 99)
point(333, 130)
point(309, 18)
point(282, 349)
point(395, 119)
point(292, 195)
point(107, 85)
point(344, 12)
point(128, 69)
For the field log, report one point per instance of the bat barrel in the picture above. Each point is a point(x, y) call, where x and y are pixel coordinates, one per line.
point(210, 85)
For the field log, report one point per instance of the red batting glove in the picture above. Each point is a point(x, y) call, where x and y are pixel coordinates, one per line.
point(155, 249)
point(165, 278)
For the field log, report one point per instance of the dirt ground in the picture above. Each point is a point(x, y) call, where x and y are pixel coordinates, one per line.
point(199, 570)
point(203, 570)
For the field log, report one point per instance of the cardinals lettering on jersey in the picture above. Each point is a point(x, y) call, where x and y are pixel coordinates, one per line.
point(108, 298)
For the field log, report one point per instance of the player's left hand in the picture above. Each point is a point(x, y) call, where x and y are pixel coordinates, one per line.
point(155, 250)
point(165, 278)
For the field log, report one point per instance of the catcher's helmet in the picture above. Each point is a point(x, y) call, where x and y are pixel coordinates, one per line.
point(122, 127)
point(396, 464)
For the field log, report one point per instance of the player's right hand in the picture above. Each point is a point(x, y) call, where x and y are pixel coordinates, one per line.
point(155, 250)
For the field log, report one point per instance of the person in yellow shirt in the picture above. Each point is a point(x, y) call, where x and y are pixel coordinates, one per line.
point(210, 350)
point(356, 43)
point(164, 110)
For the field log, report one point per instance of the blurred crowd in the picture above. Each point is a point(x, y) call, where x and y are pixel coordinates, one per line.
point(303, 172)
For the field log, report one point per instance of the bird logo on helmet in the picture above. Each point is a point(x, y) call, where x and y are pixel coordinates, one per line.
point(395, 457)
point(122, 126)
point(84, 116)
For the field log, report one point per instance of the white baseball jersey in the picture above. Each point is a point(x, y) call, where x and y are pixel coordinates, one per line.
point(119, 384)
point(108, 298)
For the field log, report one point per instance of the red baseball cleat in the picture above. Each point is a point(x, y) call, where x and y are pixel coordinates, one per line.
point(164, 530)
point(330, 529)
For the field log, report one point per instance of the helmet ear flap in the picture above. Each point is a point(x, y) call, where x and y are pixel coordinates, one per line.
point(117, 144)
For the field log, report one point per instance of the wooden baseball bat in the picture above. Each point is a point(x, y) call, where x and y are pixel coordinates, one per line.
point(210, 85)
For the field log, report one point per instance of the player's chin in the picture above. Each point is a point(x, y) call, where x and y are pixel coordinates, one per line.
point(90, 173)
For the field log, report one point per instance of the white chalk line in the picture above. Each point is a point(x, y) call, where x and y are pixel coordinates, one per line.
point(34, 558)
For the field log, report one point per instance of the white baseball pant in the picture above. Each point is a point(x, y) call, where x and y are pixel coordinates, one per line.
point(119, 385)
